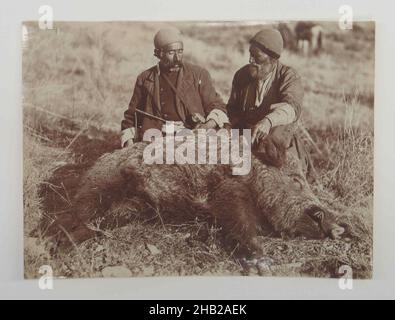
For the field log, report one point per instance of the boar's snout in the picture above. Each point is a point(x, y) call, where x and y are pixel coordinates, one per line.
point(326, 221)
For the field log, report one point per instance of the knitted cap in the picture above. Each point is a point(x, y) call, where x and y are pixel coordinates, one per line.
point(167, 36)
point(269, 41)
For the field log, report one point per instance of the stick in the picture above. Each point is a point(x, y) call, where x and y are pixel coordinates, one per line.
point(65, 117)
point(308, 136)
point(77, 136)
point(34, 134)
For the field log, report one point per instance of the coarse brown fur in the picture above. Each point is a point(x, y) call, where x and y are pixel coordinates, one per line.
point(278, 198)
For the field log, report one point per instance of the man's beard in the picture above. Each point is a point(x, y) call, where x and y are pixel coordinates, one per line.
point(259, 72)
point(171, 65)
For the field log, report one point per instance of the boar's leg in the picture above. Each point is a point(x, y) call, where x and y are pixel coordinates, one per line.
point(231, 204)
point(97, 208)
point(89, 222)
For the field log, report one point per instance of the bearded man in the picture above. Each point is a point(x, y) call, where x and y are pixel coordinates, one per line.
point(267, 97)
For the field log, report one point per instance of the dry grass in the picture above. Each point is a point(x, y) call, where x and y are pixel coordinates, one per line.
point(77, 84)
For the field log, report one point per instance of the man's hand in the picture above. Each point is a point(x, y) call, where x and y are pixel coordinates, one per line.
point(211, 124)
point(128, 143)
point(261, 130)
point(127, 137)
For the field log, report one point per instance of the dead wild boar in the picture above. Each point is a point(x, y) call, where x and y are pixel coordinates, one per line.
point(244, 205)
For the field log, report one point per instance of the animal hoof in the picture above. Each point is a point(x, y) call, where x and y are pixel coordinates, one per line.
point(257, 267)
point(337, 232)
point(248, 263)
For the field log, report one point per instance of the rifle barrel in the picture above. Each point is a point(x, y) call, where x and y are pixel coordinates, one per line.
point(150, 115)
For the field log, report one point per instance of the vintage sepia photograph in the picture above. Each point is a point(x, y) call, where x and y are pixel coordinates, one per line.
point(198, 149)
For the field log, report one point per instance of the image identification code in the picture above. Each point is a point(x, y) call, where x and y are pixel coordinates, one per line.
point(207, 309)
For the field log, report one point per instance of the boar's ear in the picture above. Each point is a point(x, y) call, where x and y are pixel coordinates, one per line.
point(297, 181)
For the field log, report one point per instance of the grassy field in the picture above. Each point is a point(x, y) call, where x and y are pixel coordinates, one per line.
point(78, 81)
